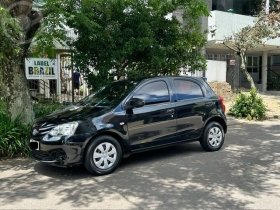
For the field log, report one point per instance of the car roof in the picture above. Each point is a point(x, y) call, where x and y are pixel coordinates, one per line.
point(159, 77)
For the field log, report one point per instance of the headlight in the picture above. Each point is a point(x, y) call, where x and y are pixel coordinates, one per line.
point(66, 129)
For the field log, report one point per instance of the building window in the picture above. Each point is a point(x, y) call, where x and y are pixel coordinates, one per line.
point(276, 60)
point(252, 64)
point(33, 84)
point(216, 57)
point(243, 7)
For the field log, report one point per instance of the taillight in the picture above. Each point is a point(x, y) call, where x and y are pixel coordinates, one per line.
point(223, 103)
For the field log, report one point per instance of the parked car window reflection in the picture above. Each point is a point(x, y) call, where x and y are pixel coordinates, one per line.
point(109, 95)
point(185, 89)
point(154, 93)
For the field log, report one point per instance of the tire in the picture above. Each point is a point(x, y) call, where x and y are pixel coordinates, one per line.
point(213, 137)
point(103, 155)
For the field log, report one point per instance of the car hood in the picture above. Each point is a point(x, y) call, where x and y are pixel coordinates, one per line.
point(74, 113)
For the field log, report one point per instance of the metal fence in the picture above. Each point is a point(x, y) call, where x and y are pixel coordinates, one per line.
point(61, 90)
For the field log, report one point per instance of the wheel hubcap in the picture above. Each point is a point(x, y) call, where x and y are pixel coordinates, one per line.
point(105, 155)
point(215, 137)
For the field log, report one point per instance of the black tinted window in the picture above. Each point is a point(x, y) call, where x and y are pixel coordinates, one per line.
point(154, 93)
point(110, 95)
point(185, 89)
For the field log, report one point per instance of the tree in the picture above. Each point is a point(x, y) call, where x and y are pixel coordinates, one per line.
point(266, 26)
point(114, 37)
point(18, 26)
point(135, 38)
point(273, 18)
point(20, 23)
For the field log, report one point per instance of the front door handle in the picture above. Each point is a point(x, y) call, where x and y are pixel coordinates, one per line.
point(170, 111)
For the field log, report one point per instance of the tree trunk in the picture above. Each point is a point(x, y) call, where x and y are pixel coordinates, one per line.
point(15, 84)
point(17, 92)
point(244, 70)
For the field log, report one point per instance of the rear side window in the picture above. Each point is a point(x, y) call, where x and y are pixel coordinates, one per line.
point(154, 93)
point(185, 89)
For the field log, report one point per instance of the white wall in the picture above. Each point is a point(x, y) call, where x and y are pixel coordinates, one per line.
point(226, 23)
point(275, 42)
point(216, 71)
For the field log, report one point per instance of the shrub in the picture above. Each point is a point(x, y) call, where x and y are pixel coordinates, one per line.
point(14, 136)
point(42, 109)
point(249, 105)
point(2, 103)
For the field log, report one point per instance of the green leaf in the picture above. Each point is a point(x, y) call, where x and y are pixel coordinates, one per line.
point(127, 37)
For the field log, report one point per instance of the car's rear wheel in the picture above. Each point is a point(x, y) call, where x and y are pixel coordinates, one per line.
point(103, 155)
point(213, 137)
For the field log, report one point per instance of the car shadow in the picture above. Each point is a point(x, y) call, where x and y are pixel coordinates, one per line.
point(161, 154)
point(129, 163)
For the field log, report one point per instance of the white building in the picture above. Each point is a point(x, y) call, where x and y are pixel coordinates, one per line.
point(227, 16)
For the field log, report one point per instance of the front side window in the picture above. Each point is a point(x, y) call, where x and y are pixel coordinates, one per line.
point(185, 89)
point(154, 93)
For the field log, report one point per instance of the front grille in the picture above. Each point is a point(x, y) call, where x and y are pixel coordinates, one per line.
point(42, 155)
point(51, 155)
point(39, 131)
point(45, 129)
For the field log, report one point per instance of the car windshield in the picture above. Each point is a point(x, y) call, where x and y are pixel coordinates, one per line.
point(110, 95)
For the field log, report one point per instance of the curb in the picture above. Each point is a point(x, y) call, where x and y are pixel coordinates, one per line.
point(268, 117)
point(272, 117)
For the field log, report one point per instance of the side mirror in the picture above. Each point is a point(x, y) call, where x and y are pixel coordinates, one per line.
point(134, 102)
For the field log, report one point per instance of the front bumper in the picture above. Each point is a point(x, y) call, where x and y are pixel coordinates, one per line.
point(60, 153)
point(53, 156)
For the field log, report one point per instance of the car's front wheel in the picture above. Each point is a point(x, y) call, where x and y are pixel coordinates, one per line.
point(103, 155)
point(213, 137)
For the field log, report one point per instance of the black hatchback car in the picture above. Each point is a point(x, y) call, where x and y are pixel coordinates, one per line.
point(130, 116)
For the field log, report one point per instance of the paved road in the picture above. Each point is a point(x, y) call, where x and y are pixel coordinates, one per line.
point(243, 175)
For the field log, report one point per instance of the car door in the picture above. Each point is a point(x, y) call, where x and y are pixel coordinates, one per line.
point(189, 107)
point(154, 123)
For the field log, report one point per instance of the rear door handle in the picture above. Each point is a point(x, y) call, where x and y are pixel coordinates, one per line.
point(170, 111)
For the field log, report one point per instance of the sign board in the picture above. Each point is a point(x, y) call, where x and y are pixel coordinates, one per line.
point(232, 62)
point(41, 68)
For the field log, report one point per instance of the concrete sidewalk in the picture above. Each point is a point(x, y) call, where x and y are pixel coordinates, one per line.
point(272, 101)
point(244, 174)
